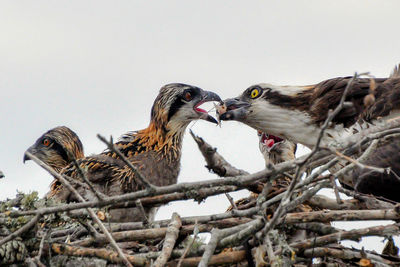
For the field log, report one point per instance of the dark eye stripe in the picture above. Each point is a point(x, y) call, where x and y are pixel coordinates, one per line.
point(57, 147)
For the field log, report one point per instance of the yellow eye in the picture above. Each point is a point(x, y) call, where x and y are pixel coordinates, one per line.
point(254, 93)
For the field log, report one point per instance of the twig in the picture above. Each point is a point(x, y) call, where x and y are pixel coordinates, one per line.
point(347, 254)
point(111, 146)
point(225, 258)
point(216, 235)
point(140, 206)
point(240, 236)
point(382, 230)
point(39, 256)
point(215, 161)
point(102, 253)
point(341, 215)
point(335, 189)
point(82, 173)
point(359, 164)
point(233, 204)
point(270, 251)
point(189, 246)
point(170, 238)
point(371, 148)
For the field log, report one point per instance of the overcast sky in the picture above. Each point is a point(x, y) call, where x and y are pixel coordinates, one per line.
point(97, 66)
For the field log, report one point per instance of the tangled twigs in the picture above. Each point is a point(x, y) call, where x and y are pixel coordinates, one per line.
point(80, 198)
point(140, 241)
point(21, 230)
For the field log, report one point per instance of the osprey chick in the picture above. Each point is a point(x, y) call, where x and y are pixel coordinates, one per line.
point(154, 151)
point(275, 149)
point(57, 147)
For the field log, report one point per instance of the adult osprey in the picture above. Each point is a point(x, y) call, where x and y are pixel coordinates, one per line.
point(297, 112)
point(154, 151)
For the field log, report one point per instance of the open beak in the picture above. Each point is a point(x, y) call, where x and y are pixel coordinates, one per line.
point(232, 109)
point(206, 96)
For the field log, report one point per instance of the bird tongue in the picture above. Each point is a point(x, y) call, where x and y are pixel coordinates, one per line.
point(200, 110)
point(269, 142)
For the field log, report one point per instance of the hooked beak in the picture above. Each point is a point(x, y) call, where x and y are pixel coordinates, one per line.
point(26, 158)
point(30, 150)
point(232, 109)
point(207, 96)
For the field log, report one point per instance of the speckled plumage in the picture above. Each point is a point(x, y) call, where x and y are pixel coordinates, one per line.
point(154, 151)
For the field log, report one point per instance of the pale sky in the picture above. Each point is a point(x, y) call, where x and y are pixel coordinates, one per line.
point(97, 66)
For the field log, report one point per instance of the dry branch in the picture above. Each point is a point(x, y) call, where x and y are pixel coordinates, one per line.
point(170, 238)
point(215, 162)
point(230, 257)
point(341, 215)
point(64, 249)
point(348, 254)
point(383, 230)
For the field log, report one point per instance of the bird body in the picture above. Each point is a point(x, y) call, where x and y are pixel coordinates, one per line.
point(298, 112)
point(155, 151)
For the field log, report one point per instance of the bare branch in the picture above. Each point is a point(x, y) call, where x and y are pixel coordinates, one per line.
point(170, 238)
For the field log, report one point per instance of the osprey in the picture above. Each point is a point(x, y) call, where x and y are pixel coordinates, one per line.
point(296, 113)
point(57, 147)
point(154, 151)
point(275, 149)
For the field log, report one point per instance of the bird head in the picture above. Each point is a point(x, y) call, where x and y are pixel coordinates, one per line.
point(178, 104)
point(275, 149)
point(278, 110)
point(57, 147)
point(268, 142)
point(260, 96)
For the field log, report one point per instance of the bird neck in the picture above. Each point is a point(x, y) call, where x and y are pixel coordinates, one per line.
point(159, 138)
point(165, 140)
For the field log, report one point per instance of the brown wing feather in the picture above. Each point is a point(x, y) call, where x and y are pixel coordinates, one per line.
point(381, 184)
